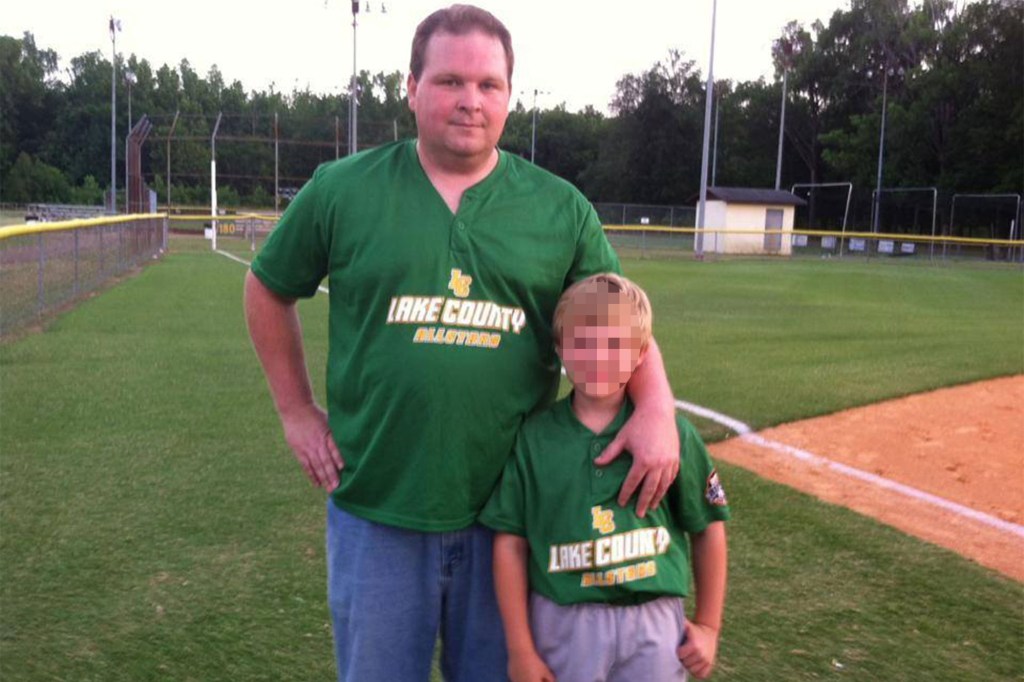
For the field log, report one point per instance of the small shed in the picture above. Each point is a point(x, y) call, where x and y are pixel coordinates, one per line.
point(745, 215)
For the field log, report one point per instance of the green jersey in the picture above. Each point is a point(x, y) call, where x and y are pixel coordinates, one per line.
point(584, 547)
point(440, 332)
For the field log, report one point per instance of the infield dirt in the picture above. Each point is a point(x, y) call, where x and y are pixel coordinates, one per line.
point(964, 444)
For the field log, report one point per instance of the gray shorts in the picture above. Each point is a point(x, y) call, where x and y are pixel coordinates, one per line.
point(602, 643)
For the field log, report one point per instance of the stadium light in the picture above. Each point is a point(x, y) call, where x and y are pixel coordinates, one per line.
point(115, 28)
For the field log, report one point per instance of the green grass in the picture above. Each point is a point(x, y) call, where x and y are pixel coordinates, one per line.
point(769, 342)
point(154, 527)
point(11, 217)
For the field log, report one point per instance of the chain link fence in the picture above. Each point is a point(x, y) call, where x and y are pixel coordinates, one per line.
point(46, 266)
point(646, 214)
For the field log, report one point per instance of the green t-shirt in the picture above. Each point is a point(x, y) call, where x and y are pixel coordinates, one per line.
point(440, 332)
point(584, 547)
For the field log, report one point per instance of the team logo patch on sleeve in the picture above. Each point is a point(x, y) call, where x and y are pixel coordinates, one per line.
point(714, 492)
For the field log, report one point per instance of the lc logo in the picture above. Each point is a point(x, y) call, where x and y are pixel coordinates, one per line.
point(459, 283)
point(604, 519)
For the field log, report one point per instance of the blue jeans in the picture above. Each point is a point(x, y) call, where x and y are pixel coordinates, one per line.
point(392, 591)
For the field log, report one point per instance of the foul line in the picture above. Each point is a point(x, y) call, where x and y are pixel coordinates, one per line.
point(746, 434)
point(247, 264)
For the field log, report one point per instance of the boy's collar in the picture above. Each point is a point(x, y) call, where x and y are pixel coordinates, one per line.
point(625, 411)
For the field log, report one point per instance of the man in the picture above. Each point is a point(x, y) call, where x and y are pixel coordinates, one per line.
point(445, 259)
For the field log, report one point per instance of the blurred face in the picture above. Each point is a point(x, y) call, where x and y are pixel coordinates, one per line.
point(601, 352)
point(460, 99)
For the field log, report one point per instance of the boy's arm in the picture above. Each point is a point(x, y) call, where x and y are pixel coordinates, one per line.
point(650, 435)
point(511, 553)
point(709, 572)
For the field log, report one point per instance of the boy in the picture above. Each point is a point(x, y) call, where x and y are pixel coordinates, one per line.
point(605, 586)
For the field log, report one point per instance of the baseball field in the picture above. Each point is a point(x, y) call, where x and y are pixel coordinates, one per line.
point(153, 525)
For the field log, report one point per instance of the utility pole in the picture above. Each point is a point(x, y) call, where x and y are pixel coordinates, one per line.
point(782, 128)
point(784, 50)
point(115, 27)
point(709, 93)
point(129, 80)
point(876, 209)
point(353, 91)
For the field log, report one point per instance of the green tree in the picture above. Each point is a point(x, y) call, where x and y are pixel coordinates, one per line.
point(31, 180)
point(748, 133)
point(28, 96)
point(89, 193)
point(654, 149)
point(79, 143)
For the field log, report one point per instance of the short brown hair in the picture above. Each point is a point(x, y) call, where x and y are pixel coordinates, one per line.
point(590, 298)
point(458, 20)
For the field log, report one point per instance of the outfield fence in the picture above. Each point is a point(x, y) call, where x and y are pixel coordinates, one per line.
point(656, 237)
point(44, 266)
point(48, 265)
point(646, 214)
point(241, 232)
point(654, 241)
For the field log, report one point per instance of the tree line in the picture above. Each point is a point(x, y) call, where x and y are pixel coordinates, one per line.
point(951, 76)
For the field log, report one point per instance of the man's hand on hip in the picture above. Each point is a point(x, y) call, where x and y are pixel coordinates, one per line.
point(310, 439)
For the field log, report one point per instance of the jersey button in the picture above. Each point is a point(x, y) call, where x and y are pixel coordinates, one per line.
point(595, 447)
point(599, 473)
point(461, 225)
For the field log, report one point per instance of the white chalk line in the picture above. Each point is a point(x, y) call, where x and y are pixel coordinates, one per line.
point(746, 434)
point(247, 264)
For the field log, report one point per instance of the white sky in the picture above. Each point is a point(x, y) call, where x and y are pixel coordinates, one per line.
point(572, 49)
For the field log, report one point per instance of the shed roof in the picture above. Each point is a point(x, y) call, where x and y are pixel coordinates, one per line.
point(750, 195)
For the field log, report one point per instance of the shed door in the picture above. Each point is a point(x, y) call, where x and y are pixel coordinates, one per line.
point(773, 221)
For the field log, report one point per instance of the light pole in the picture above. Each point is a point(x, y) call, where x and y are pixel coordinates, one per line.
point(782, 128)
point(115, 27)
point(698, 251)
point(353, 145)
point(881, 151)
point(353, 91)
point(784, 50)
point(129, 80)
point(714, 153)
